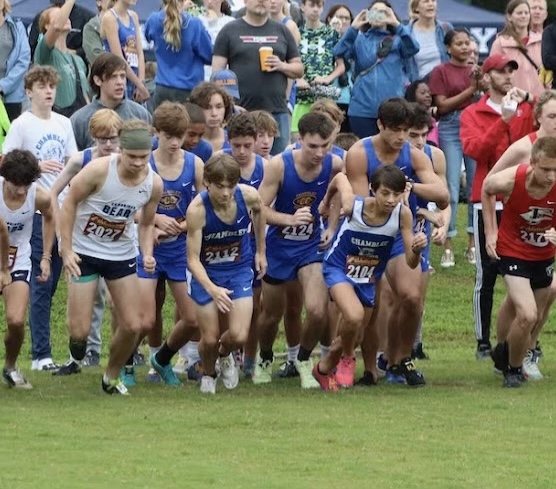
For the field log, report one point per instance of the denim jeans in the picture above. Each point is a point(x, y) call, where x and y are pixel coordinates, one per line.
point(450, 143)
point(283, 139)
point(42, 293)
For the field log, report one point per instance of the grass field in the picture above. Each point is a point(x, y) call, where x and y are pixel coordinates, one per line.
point(462, 430)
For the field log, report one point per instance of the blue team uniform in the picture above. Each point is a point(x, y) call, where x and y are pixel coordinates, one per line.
point(170, 254)
point(360, 252)
point(225, 252)
point(421, 224)
point(404, 163)
point(290, 248)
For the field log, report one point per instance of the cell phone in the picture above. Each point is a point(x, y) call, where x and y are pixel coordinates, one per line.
point(375, 15)
point(511, 105)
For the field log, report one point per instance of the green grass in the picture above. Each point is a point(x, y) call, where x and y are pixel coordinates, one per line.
point(462, 430)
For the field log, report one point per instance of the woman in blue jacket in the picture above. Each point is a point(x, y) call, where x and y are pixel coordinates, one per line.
point(182, 47)
point(378, 44)
point(15, 65)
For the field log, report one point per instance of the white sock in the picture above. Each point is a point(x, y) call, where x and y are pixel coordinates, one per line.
point(292, 352)
point(324, 350)
point(79, 362)
point(192, 352)
point(153, 350)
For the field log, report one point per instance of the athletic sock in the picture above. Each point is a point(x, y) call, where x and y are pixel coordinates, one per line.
point(267, 355)
point(153, 350)
point(165, 354)
point(419, 335)
point(192, 352)
point(293, 351)
point(324, 351)
point(78, 349)
point(303, 354)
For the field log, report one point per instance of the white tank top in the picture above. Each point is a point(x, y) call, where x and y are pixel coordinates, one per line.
point(104, 221)
point(20, 228)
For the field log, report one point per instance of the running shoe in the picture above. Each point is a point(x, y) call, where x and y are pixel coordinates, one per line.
point(483, 352)
point(92, 359)
point(139, 358)
point(166, 373)
point(447, 260)
point(530, 369)
point(327, 382)
point(153, 377)
point(418, 353)
point(513, 378)
point(44, 365)
point(194, 372)
point(367, 379)
point(180, 368)
point(248, 367)
point(501, 356)
point(14, 378)
point(413, 377)
point(263, 372)
point(394, 375)
point(287, 370)
point(382, 364)
point(69, 368)
point(115, 386)
point(345, 372)
point(470, 256)
point(127, 376)
point(305, 370)
point(208, 385)
point(229, 373)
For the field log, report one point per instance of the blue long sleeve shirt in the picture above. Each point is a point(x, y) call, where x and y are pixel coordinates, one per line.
point(182, 68)
point(387, 77)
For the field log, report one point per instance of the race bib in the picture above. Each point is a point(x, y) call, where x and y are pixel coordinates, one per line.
point(360, 269)
point(12, 255)
point(225, 253)
point(534, 238)
point(104, 229)
point(303, 232)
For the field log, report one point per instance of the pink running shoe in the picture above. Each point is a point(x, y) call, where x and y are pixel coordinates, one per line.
point(327, 381)
point(345, 372)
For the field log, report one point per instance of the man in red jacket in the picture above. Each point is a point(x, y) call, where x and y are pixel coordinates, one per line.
point(488, 127)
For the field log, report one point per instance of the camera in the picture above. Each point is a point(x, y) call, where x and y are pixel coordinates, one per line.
point(375, 15)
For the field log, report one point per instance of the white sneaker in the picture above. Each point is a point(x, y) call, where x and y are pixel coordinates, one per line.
point(447, 260)
point(530, 368)
point(180, 368)
point(208, 385)
point(14, 378)
point(44, 365)
point(305, 370)
point(470, 256)
point(263, 371)
point(229, 373)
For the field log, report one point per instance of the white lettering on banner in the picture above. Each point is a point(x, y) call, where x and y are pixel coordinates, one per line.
point(483, 36)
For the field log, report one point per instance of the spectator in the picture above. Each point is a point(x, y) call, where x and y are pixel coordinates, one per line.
point(180, 41)
point(322, 68)
point(215, 15)
point(260, 90)
point(121, 34)
point(378, 49)
point(419, 92)
point(107, 79)
point(517, 42)
point(339, 17)
point(549, 52)
point(79, 16)
point(539, 14)
point(15, 57)
point(52, 50)
point(92, 42)
point(453, 86)
point(488, 128)
point(429, 33)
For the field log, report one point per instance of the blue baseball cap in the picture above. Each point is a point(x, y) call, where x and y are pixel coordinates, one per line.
point(227, 79)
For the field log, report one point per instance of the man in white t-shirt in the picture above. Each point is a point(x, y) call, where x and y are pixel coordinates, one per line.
point(49, 136)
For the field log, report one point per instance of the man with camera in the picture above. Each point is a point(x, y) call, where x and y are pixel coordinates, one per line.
point(488, 127)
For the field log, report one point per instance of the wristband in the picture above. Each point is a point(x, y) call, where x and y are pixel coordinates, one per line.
point(47, 257)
